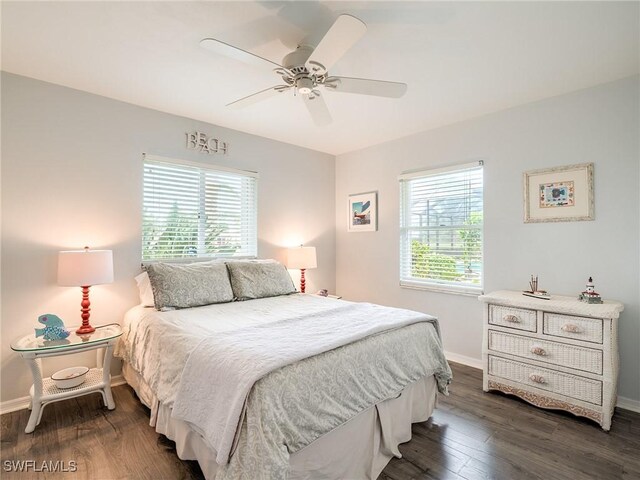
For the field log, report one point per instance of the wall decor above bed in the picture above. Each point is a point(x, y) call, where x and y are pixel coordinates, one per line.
point(559, 194)
point(204, 144)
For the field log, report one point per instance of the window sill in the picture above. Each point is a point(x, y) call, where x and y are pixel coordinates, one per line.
point(197, 259)
point(455, 290)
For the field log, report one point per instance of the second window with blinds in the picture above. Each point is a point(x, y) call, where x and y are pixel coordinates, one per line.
point(192, 210)
point(441, 229)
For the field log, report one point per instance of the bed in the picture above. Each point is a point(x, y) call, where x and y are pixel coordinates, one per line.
point(291, 386)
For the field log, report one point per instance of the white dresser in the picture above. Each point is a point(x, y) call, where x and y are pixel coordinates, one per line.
point(559, 353)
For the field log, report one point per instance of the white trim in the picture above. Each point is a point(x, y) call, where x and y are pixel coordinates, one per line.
point(117, 380)
point(456, 289)
point(14, 405)
point(628, 404)
point(197, 259)
point(208, 166)
point(21, 403)
point(464, 360)
point(427, 172)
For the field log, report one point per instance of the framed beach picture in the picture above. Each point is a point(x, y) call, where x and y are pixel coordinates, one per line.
point(363, 212)
point(560, 194)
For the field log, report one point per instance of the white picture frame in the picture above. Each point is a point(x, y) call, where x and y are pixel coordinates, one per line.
point(362, 212)
point(559, 194)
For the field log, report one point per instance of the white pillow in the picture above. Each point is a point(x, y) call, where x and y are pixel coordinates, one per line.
point(144, 288)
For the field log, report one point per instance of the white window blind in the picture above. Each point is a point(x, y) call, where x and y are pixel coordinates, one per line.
point(191, 210)
point(441, 229)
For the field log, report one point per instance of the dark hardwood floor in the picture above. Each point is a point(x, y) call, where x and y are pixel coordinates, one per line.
point(472, 435)
point(478, 435)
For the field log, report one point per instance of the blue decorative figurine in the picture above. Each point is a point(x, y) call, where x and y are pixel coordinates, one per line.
point(53, 327)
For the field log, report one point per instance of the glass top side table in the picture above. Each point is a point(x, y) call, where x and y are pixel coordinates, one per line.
point(44, 390)
point(29, 343)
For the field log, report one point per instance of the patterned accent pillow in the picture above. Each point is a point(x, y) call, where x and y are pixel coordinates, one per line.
point(177, 285)
point(259, 279)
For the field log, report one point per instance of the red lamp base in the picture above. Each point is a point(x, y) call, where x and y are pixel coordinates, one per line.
point(86, 327)
point(302, 280)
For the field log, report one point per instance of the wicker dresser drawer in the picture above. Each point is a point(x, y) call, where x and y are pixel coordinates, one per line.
point(564, 384)
point(578, 328)
point(518, 318)
point(570, 356)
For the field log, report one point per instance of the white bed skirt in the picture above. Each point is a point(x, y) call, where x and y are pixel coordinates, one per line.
point(357, 449)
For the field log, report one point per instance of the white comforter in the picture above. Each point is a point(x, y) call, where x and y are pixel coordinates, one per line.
point(203, 362)
point(236, 360)
point(157, 344)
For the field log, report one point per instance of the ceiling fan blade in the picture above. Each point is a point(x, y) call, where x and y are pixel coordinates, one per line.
point(221, 48)
point(318, 110)
point(258, 96)
point(342, 35)
point(364, 86)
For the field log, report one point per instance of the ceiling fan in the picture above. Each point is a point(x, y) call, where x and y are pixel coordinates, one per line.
point(305, 71)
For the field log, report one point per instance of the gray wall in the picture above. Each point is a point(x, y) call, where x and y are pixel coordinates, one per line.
point(598, 125)
point(72, 176)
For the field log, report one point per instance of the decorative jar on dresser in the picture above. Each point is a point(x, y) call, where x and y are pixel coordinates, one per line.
point(558, 353)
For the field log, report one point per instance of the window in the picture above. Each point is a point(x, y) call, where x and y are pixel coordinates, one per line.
point(441, 229)
point(191, 210)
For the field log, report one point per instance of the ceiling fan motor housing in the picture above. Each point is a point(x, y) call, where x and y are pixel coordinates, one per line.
point(305, 85)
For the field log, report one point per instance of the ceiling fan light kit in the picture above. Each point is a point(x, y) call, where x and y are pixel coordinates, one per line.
point(305, 70)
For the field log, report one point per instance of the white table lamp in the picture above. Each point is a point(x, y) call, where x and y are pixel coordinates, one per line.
point(302, 258)
point(84, 268)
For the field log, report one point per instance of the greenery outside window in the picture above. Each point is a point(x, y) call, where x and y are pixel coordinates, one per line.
point(441, 222)
point(195, 211)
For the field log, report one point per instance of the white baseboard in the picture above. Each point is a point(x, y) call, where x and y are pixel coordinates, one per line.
point(117, 380)
point(628, 404)
point(623, 402)
point(14, 405)
point(468, 361)
point(23, 402)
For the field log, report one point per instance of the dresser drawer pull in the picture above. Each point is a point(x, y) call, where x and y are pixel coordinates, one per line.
point(536, 350)
point(534, 377)
point(511, 318)
point(571, 328)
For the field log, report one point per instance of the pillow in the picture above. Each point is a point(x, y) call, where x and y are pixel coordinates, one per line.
point(189, 285)
point(259, 279)
point(144, 289)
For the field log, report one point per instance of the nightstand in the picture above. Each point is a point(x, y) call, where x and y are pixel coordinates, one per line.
point(335, 297)
point(44, 391)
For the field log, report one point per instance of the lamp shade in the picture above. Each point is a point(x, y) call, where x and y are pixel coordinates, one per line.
point(302, 257)
point(80, 268)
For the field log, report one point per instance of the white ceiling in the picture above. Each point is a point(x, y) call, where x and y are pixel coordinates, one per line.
point(460, 60)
